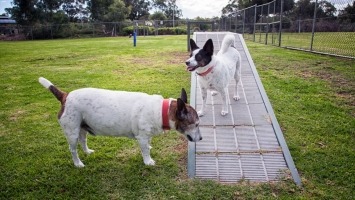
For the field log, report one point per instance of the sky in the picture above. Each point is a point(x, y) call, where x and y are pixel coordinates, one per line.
point(201, 8)
point(190, 8)
point(4, 4)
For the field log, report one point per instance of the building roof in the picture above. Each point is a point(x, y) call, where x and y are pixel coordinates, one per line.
point(7, 21)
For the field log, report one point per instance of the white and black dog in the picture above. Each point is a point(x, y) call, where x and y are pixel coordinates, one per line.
point(119, 113)
point(215, 71)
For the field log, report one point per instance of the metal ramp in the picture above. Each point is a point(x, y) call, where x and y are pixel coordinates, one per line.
point(246, 144)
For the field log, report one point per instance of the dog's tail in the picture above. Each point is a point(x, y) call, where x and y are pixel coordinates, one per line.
point(60, 95)
point(228, 41)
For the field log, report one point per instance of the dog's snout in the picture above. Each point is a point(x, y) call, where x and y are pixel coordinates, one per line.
point(187, 62)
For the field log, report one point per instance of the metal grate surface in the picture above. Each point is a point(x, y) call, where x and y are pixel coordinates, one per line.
point(245, 144)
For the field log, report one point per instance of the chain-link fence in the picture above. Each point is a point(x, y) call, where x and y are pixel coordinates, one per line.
point(324, 26)
point(319, 26)
point(102, 29)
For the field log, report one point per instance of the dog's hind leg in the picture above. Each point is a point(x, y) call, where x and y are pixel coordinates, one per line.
point(83, 141)
point(73, 137)
point(237, 75)
point(224, 102)
point(70, 123)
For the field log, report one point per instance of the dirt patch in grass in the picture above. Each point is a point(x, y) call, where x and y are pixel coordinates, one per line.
point(16, 115)
point(343, 86)
point(176, 57)
point(140, 61)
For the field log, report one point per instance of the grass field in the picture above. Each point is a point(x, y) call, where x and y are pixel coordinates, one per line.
point(338, 43)
point(312, 96)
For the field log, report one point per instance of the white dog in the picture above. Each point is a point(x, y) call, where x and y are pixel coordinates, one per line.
point(215, 71)
point(118, 113)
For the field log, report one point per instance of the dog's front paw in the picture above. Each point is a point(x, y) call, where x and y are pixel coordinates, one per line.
point(224, 113)
point(79, 164)
point(200, 113)
point(236, 97)
point(89, 151)
point(149, 162)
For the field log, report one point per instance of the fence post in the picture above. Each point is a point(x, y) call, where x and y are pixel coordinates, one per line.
point(188, 35)
point(243, 21)
point(273, 25)
point(280, 27)
point(32, 32)
point(267, 23)
point(314, 24)
point(261, 17)
point(254, 22)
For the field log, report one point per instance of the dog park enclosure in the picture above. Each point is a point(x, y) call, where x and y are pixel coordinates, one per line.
point(246, 144)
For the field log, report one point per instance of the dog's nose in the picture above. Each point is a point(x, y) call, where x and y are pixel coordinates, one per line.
point(187, 62)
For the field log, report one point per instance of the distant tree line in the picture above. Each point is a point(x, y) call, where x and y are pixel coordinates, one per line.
point(30, 12)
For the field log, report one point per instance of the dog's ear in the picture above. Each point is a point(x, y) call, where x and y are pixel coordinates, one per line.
point(183, 95)
point(193, 45)
point(208, 47)
point(181, 111)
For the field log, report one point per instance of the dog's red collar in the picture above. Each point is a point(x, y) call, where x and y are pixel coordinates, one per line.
point(206, 72)
point(165, 114)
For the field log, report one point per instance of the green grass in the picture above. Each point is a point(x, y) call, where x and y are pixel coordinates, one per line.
point(339, 43)
point(312, 95)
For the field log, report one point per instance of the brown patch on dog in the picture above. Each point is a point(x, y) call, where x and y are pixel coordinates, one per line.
point(61, 96)
point(191, 116)
point(64, 99)
point(172, 110)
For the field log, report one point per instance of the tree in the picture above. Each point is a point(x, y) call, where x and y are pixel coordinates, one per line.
point(169, 8)
point(234, 5)
point(172, 11)
point(304, 9)
point(46, 8)
point(348, 14)
point(157, 16)
point(230, 8)
point(117, 11)
point(24, 11)
point(139, 9)
point(75, 9)
point(30, 12)
point(108, 10)
point(325, 9)
point(159, 4)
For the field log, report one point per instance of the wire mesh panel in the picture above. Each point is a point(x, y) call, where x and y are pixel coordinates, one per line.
point(324, 26)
